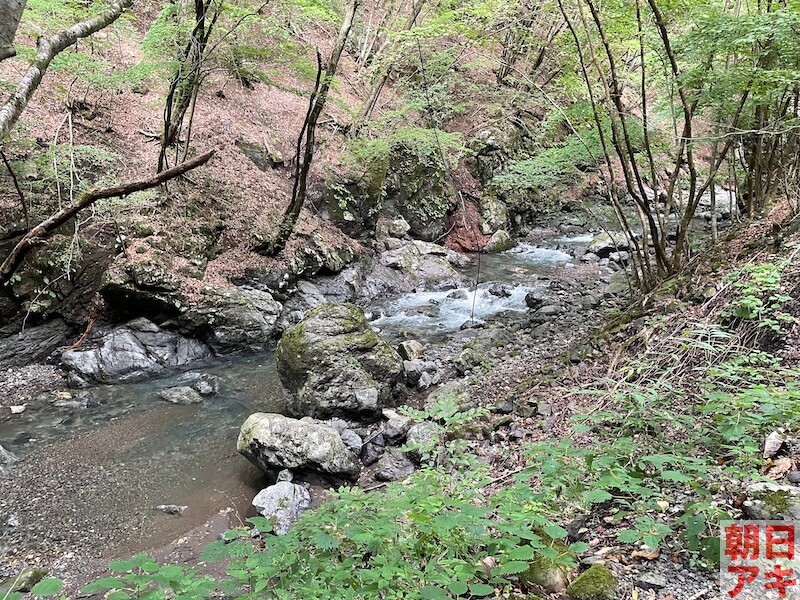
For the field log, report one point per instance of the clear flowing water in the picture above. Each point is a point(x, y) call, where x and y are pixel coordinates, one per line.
point(247, 383)
point(132, 450)
point(432, 316)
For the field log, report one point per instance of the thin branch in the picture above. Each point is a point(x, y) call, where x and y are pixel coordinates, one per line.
point(19, 190)
point(46, 227)
point(47, 49)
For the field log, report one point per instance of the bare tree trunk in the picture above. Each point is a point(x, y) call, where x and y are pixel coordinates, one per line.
point(47, 49)
point(377, 86)
point(186, 81)
point(315, 107)
point(10, 16)
point(637, 256)
point(46, 227)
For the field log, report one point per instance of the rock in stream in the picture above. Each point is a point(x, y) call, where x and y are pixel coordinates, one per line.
point(274, 442)
point(334, 364)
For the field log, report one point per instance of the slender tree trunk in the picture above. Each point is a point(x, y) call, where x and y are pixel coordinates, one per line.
point(637, 256)
point(306, 147)
point(377, 86)
point(47, 49)
point(185, 82)
point(10, 16)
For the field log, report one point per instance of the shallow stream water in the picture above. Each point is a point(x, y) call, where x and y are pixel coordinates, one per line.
point(432, 316)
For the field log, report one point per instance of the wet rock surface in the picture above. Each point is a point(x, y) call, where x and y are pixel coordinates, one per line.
point(135, 351)
point(182, 394)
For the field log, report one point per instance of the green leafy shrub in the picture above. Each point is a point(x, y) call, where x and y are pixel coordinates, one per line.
point(760, 296)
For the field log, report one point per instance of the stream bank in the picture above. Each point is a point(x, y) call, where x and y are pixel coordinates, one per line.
point(106, 463)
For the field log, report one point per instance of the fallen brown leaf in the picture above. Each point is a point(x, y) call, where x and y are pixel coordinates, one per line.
point(778, 468)
point(645, 554)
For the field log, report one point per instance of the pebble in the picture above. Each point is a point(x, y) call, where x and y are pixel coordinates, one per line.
point(651, 581)
point(171, 509)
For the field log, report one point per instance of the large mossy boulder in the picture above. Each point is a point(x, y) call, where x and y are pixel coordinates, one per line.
point(334, 364)
point(352, 199)
point(273, 442)
point(596, 583)
point(416, 188)
point(494, 215)
point(499, 242)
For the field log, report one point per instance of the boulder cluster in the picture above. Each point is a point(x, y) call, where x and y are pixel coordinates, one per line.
point(340, 375)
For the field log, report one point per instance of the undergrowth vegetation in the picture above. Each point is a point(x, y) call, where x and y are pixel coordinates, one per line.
point(661, 447)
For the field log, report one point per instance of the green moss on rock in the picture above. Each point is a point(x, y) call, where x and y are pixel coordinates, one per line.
point(334, 364)
point(596, 583)
point(545, 572)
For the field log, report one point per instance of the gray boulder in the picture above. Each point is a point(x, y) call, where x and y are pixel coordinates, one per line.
point(352, 440)
point(604, 244)
point(396, 228)
point(535, 299)
point(413, 370)
point(500, 241)
point(396, 426)
point(274, 442)
point(182, 394)
point(453, 393)
point(393, 466)
point(772, 502)
point(373, 449)
point(133, 352)
point(32, 344)
point(7, 458)
point(282, 504)
point(206, 384)
point(499, 290)
point(334, 364)
point(422, 436)
point(413, 265)
point(474, 352)
point(410, 350)
point(235, 319)
point(305, 296)
point(549, 310)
